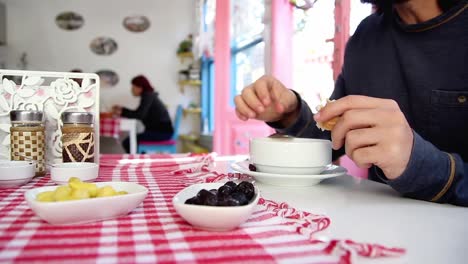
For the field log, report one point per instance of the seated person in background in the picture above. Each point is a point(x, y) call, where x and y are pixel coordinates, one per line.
point(151, 111)
point(401, 100)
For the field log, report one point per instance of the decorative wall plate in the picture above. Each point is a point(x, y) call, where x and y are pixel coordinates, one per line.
point(136, 23)
point(108, 78)
point(53, 93)
point(69, 20)
point(103, 46)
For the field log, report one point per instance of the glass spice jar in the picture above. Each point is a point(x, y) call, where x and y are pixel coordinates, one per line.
point(78, 138)
point(27, 138)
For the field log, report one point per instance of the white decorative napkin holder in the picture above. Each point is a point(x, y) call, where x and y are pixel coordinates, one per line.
point(50, 92)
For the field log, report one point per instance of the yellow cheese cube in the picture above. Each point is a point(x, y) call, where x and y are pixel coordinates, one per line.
point(45, 196)
point(62, 193)
point(106, 191)
point(78, 194)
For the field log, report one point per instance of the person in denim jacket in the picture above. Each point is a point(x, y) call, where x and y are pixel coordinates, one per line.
point(401, 99)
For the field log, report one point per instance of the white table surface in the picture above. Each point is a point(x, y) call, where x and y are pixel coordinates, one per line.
point(367, 211)
point(130, 126)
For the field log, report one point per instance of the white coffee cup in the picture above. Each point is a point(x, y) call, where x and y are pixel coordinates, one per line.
point(290, 155)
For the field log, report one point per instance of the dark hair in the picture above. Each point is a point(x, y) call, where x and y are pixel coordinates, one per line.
point(142, 82)
point(383, 6)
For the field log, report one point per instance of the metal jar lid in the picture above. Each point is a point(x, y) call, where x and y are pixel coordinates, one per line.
point(77, 118)
point(26, 116)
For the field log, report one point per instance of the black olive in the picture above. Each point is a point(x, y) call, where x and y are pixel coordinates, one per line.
point(228, 201)
point(211, 201)
point(224, 191)
point(193, 200)
point(240, 197)
point(246, 188)
point(206, 197)
point(231, 184)
point(214, 191)
point(202, 194)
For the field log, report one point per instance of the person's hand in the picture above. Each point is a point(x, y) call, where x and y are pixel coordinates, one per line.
point(116, 110)
point(372, 130)
point(268, 100)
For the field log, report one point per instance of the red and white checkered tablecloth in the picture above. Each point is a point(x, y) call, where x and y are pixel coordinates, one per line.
point(155, 233)
point(109, 127)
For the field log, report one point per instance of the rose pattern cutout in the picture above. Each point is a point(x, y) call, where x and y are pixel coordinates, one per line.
point(30, 106)
point(65, 91)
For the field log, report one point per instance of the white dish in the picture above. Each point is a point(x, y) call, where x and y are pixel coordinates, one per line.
point(212, 218)
point(87, 210)
point(290, 155)
point(289, 180)
point(85, 171)
point(14, 173)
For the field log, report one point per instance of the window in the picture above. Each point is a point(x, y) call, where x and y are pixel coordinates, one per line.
point(313, 49)
point(247, 52)
point(248, 64)
point(248, 47)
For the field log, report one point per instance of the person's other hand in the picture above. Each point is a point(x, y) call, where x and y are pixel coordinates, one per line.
point(117, 110)
point(372, 130)
point(267, 99)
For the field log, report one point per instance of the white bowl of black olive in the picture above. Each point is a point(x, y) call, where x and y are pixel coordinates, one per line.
point(216, 206)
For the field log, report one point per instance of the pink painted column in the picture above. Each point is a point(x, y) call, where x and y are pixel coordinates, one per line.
point(222, 58)
point(282, 31)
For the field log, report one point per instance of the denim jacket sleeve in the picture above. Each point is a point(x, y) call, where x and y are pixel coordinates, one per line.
point(432, 175)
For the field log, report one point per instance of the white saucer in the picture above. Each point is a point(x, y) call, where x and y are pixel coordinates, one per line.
point(290, 180)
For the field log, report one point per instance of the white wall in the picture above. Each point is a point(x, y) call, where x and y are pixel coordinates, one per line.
point(2, 35)
point(3, 55)
point(31, 28)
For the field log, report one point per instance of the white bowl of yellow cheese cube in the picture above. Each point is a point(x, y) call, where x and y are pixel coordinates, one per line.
point(78, 203)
